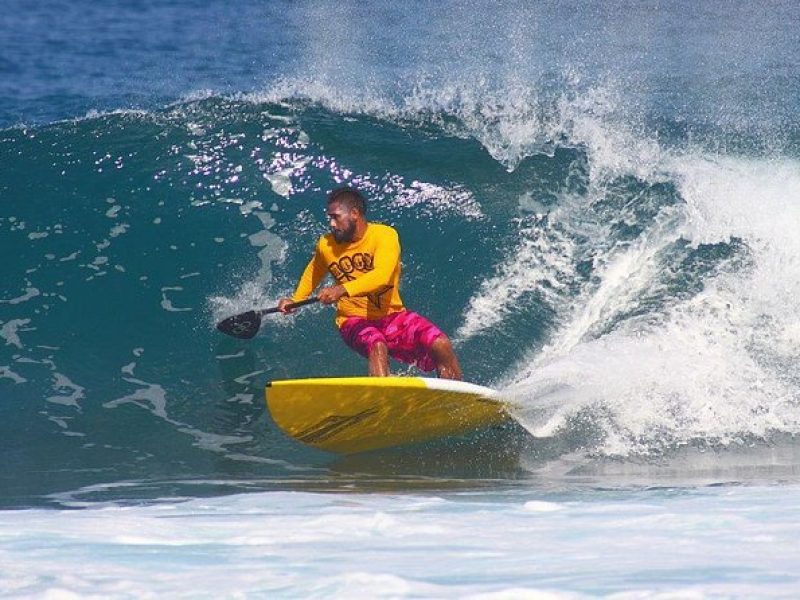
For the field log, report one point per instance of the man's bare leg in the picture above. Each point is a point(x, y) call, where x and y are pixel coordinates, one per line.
point(446, 362)
point(379, 360)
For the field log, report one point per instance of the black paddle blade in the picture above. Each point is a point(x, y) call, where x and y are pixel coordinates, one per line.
point(243, 326)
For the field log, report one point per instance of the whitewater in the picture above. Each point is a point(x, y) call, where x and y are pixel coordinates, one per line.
point(598, 202)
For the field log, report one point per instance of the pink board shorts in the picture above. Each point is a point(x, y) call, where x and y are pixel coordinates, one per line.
point(407, 335)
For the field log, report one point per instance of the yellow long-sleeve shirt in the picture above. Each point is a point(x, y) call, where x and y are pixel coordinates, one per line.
point(369, 270)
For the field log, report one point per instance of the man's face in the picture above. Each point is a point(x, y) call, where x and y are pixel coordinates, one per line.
point(342, 221)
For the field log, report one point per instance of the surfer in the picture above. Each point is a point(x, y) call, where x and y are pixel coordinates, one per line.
point(364, 259)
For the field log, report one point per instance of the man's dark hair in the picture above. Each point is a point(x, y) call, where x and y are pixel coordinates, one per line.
point(350, 197)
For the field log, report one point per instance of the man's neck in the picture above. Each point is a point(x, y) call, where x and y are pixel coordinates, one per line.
point(361, 231)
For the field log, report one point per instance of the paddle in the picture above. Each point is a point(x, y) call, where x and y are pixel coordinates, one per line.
point(246, 325)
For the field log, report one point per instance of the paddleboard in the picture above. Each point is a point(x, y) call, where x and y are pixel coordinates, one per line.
point(357, 414)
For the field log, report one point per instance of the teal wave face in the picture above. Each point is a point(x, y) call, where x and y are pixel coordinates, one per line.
point(131, 234)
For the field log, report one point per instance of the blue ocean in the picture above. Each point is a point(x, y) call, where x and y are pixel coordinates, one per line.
point(598, 201)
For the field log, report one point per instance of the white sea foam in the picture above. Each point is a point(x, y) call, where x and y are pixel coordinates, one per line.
point(68, 393)
point(272, 247)
point(166, 301)
point(510, 121)
point(10, 331)
point(7, 373)
point(30, 292)
point(541, 262)
point(717, 366)
point(636, 544)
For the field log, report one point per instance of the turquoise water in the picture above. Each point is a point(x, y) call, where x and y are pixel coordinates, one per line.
point(598, 202)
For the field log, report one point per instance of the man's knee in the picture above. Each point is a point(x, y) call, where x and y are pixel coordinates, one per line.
point(446, 361)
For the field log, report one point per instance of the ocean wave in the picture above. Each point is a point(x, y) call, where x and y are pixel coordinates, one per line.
point(632, 292)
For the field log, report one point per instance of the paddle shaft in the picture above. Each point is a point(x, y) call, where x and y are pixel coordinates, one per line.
point(293, 305)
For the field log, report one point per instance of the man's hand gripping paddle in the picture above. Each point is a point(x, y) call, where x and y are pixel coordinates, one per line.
point(246, 325)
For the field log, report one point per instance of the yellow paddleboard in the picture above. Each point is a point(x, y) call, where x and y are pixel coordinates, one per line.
point(356, 414)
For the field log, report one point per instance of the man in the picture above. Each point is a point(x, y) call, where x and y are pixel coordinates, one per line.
point(364, 259)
